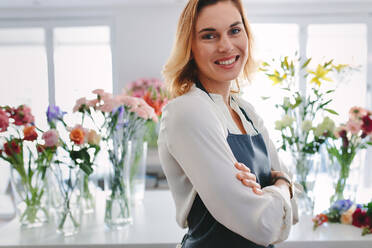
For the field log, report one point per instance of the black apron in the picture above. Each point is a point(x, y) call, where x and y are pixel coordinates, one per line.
point(204, 231)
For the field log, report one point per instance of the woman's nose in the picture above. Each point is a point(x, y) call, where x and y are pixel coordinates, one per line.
point(225, 44)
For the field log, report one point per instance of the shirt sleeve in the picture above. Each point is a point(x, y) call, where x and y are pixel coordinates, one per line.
point(197, 141)
point(276, 163)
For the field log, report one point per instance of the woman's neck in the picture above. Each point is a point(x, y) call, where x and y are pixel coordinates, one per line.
point(215, 87)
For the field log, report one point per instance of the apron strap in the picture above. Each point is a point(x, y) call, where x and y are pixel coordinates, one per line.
point(199, 85)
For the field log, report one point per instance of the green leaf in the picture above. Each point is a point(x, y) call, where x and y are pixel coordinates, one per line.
point(86, 168)
point(306, 63)
point(331, 111)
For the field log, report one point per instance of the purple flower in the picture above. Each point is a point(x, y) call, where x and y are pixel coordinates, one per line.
point(342, 205)
point(54, 113)
point(121, 122)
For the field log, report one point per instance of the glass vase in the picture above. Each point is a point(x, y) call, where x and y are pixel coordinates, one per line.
point(87, 193)
point(138, 170)
point(30, 193)
point(117, 186)
point(346, 175)
point(68, 211)
point(306, 170)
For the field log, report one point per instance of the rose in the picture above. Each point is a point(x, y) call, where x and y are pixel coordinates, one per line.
point(29, 133)
point(51, 138)
point(12, 147)
point(347, 216)
point(93, 138)
point(361, 219)
point(54, 113)
point(22, 115)
point(78, 135)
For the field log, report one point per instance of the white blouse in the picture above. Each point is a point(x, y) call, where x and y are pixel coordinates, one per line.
point(196, 158)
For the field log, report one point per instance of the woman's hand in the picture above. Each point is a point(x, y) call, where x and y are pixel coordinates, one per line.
point(247, 178)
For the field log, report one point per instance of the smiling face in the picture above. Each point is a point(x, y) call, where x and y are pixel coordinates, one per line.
point(220, 45)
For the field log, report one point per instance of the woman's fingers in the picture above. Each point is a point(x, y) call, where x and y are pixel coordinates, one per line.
point(246, 175)
point(257, 191)
point(251, 183)
point(242, 167)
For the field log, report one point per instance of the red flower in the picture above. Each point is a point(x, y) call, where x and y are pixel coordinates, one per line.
point(4, 121)
point(11, 148)
point(156, 104)
point(30, 133)
point(40, 148)
point(361, 219)
point(319, 220)
point(22, 115)
point(367, 124)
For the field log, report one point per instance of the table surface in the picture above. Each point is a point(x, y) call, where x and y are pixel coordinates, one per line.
point(155, 227)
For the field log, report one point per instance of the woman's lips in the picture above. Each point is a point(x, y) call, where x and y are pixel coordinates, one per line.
point(227, 63)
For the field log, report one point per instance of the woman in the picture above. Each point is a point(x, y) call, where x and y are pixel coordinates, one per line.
point(224, 173)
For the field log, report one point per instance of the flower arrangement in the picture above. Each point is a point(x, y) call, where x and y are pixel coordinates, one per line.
point(124, 118)
point(29, 157)
point(345, 142)
point(154, 93)
point(81, 146)
point(349, 213)
point(299, 134)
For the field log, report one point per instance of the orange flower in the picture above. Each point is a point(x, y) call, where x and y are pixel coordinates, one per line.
point(77, 135)
point(29, 133)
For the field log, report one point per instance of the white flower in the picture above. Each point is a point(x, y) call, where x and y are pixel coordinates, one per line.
point(319, 130)
point(307, 125)
point(329, 124)
point(279, 125)
point(287, 121)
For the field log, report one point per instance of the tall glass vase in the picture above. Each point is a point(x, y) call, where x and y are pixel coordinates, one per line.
point(117, 186)
point(346, 178)
point(30, 193)
point(138, 170)
point(68, 211)
point(306, 170)
point(87, 193)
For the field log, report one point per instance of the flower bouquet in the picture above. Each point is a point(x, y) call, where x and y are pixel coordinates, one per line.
point(154, 93)
point(300, 135)
point(123, 116)
point(349, 213)
point(81, 147)
point(29, 159)
point(344, 144)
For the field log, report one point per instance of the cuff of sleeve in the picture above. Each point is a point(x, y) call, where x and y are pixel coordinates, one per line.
point(287, 209)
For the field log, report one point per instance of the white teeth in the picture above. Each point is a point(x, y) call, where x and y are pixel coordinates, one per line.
point(227, 62)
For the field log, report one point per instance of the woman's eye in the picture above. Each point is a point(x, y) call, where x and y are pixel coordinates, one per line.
point(235, 30)
point(208, 36)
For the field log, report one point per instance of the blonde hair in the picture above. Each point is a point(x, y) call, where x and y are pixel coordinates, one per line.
point(180, 71)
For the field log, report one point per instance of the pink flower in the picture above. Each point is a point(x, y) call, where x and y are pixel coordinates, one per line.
point(356, 113)
point(129, 101)
point(79, 103)
point(93, 138)
point(99, 92)
point(22, 115)
point(353, 126)
point(92, 103)
point(51, 138)
point(4, 121)
point(109, 105)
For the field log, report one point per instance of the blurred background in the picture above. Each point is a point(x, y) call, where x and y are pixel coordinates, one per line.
point(56, 51)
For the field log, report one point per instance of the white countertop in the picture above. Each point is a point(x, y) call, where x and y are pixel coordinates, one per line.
point(155, 227)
